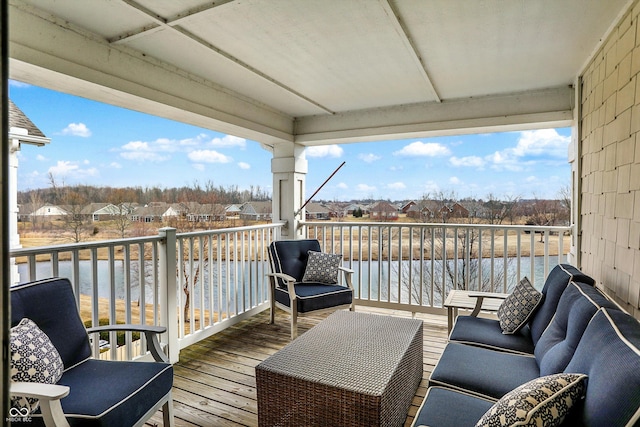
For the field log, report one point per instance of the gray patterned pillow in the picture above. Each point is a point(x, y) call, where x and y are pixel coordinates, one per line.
point(33, 359)
point(514, 312)
point(544, 401)
point(322, 267)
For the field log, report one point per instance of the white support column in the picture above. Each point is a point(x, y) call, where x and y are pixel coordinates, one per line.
point(575, 154)
point(169, 291)
point(14, 237)
point(289, 169)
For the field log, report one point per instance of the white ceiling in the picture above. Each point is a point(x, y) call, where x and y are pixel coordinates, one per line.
point(317, 71)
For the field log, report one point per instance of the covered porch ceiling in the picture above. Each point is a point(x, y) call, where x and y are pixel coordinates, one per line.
point(318, 71)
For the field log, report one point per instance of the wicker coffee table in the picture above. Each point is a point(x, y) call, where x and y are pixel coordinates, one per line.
point(352, 369)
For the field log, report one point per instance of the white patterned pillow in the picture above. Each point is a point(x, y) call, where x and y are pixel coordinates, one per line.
point(322, 267)
point(33, 359)
point(544, 401)
point(515, 310)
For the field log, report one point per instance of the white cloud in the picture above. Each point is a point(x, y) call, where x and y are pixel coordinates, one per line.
point(542, 142)
point(365, 187)
point(229, 141)
point(324, 151)
point(41, 158)
point(77, 129)
point(342, 186)
point(71, 170)
point(369, 157)
point(208, 156)
point(244, 165)
point(419, 148)
point(396, 186)
point(455, 180)
point(115, 165)
point(17, 84)
point(467, 161)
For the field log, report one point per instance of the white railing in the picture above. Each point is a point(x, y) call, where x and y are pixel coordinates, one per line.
point(195, 284)
point(412, 266)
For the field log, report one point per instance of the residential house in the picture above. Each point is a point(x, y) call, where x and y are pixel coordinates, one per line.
point(383, 211)
point(314, 211)
point(256, 211)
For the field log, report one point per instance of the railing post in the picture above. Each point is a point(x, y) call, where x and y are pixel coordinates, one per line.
point(168, 290)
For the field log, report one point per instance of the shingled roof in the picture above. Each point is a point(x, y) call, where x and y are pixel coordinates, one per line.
point(19, 120)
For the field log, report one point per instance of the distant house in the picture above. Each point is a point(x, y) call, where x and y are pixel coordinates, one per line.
point(407, 206)
point(100, 212)
point(316, 211)
point(50, 212)
point(257, 211)
point(207, 212)
point(233, 210)
point(383, 211)
point(148, 214)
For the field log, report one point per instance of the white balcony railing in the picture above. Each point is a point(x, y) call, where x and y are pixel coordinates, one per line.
point(413, 266)
point(199, 283)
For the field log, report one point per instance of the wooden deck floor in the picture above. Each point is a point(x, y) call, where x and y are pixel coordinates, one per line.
point(214, 382)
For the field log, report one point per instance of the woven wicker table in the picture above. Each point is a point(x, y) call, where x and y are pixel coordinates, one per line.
point(352, 369)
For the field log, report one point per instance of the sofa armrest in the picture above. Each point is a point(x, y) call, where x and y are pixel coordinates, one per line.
point(150, 332)
point(348, 273)
point(49, 396)
point(480, 297)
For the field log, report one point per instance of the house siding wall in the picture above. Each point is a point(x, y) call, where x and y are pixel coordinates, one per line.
point(610, 164)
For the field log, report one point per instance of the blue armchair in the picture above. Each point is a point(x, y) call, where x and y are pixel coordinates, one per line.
point(86, 391)
point(304, 280)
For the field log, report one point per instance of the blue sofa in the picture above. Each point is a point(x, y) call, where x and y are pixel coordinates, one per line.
point(588, 339)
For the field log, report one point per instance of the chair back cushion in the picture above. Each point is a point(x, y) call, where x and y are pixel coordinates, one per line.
point(577, 305)
point(609, 353)
point(290, 257)
point(51, 305)
point(554, 286)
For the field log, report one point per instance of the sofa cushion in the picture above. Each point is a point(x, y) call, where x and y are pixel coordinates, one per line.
point(437, 408)
point(577, 305)
point(609, 353)
point(515, 310)
point(62, 325)
point(543, 401)
point(322, 267)
point(315, 296)
point(555, 284)
point(33, 359)
point(290, 257)
point(481, 371)
point(487, 333)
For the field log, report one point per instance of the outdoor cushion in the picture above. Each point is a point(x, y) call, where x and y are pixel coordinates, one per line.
point(578, 304)
point(315, 296)
point(481, 371)
point(517, 308)
point(545, 401)
point(558, 279)
point(33, 359)
point(115, 391)
point(443, 407)
point(322, 267)
point(609, 353)
point(487, 332)
point(290, 258)
point(62, 325)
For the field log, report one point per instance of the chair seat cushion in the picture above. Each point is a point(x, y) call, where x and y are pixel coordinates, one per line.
point(487, 333)
point(120, 393)
point(492, 374)
point(315, 296)
point(448, 408)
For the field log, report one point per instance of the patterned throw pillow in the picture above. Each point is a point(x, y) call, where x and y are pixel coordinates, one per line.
point(544, 401)
point(514, 312)
point(322, 267)
point(33, 359)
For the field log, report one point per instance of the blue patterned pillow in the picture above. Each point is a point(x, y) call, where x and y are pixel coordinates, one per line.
point(544, 401)
point(516, 310)
point(33, 359)
point(322, 267)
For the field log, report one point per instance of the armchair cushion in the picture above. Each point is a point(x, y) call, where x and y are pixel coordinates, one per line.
point(322, 267)
point(290, 257)
point(33, 359)
point(516, 310)
point(542, 401)
point(315, 296)
point(108, 393)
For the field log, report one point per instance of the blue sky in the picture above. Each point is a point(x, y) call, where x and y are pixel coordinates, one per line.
point(98, 144)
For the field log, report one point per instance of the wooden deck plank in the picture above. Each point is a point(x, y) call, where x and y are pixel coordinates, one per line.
point(214, 382)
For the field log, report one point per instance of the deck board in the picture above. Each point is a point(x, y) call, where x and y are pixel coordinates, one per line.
point(214, 381)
